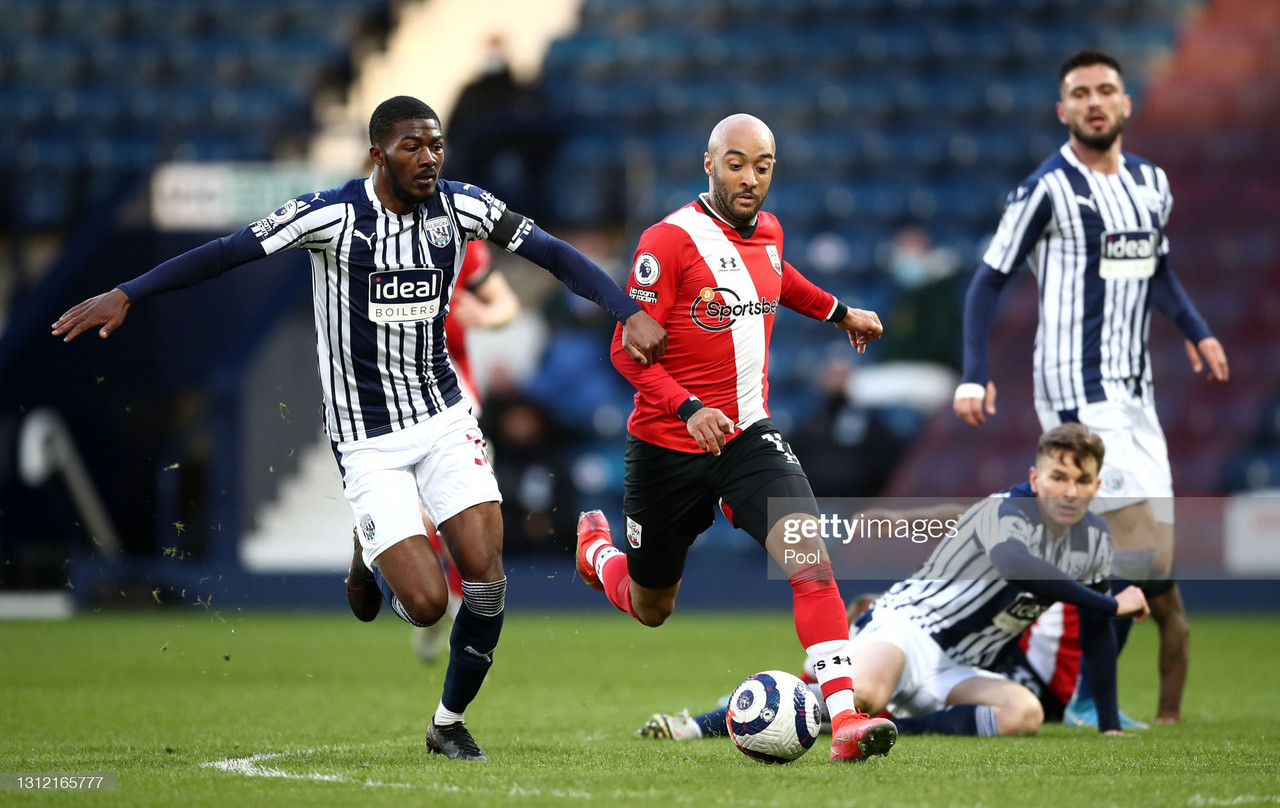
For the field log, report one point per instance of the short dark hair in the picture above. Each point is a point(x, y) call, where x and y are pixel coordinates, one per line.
point(1089, 57)
point(393, 111)
point(1075, 439)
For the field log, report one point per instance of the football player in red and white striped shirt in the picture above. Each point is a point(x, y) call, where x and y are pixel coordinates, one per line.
point(713, 274)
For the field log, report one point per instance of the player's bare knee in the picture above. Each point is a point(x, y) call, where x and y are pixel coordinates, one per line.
point(654, 614)
point(1020, 715)
point(871, 699)
point(871, 693)
point(426, 607)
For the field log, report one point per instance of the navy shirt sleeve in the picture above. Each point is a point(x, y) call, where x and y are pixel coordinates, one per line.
point(979, 318)
point(571, 267)
point(1017, 565)
point(200, 264)
point(1098, 644)
point(1170, 299)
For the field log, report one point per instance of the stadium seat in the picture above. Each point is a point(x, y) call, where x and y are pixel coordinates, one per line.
point(152, 78)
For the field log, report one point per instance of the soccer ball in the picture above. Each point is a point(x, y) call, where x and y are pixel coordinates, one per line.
point(774, 717)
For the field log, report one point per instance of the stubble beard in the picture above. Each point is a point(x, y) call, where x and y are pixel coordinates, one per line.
point(724, 204)
point(1098, 142)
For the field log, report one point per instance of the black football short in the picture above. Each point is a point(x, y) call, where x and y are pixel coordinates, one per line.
point(671, 497)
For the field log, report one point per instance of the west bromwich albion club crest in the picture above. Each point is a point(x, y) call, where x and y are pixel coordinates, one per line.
point(774, 258)
point(438, 231)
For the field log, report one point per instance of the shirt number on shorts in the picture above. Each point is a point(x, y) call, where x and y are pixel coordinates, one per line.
point(782, 446)
point(482, 455)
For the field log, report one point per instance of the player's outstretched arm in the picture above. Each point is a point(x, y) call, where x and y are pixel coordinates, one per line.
point(200, 264)
point(863, 326)
point(107, 310)
point(644, 339)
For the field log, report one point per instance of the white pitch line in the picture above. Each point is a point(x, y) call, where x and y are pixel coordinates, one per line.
point(248, 766)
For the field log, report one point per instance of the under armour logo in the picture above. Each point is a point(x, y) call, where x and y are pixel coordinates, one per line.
point(315, 197)
point(729, 262)
point(367, 239)
point(1087, 202)
point(476, 653)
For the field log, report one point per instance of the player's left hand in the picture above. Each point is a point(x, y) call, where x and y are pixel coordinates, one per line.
point(643, 338)
point(863, 326)
point(710, 427)
point(1213, 354)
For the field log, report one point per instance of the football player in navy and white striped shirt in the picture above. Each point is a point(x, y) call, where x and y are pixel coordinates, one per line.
point(1091, 221)
point(936, 649)
point(385, 254)
point(924, 649)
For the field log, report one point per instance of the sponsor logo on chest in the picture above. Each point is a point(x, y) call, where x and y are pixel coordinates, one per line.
point(1128, 254)
point(1021, 613)
point(718, 308)
point(405, 295)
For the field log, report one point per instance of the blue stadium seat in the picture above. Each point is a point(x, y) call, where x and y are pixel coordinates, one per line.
point(1252, 470)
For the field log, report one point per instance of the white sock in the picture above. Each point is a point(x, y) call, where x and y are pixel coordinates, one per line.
point(599, 552)
point(830, 662)
point(445, 716)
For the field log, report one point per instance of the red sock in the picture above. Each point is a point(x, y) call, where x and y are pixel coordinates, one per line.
point(616, 578)
point(823, 628)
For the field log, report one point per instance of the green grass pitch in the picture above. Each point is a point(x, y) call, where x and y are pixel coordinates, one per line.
point(196, 708)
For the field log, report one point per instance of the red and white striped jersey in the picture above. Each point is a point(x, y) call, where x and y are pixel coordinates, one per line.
point(716, 290)
point(1052, 647)
point(476, 268)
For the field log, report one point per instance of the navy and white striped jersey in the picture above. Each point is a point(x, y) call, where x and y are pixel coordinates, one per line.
point(960, 600)
point(1094, 241)
point(381, 285)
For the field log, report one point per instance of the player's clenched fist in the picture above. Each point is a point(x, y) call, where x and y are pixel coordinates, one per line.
point(643, 338)
point(709, 427)
point(1131, 602)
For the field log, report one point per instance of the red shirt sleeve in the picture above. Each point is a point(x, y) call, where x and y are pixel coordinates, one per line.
point(800, 295)
point(477, 265)
point(653, 283)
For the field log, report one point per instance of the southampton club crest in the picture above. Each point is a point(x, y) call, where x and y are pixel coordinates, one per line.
point(439, 231)
point(776, 260)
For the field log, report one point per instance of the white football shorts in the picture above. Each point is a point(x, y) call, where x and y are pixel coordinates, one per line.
point(1136, 466)
point(440, 462)
point(928, 676)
